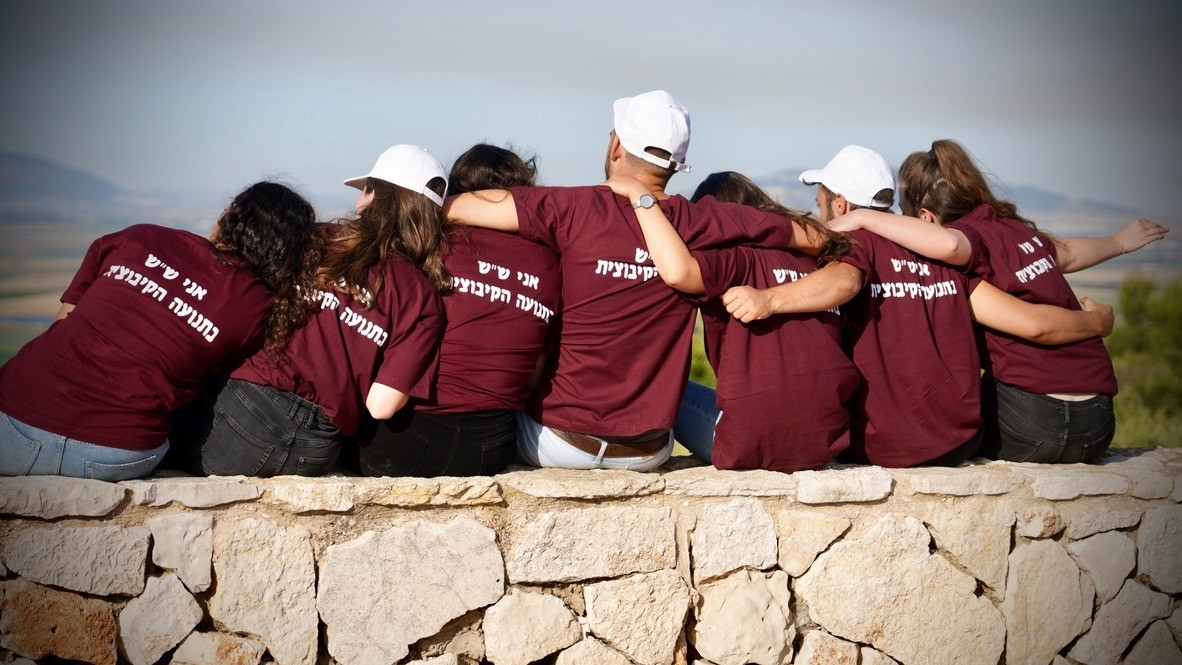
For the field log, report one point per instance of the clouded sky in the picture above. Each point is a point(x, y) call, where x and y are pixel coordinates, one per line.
point(1077, 96)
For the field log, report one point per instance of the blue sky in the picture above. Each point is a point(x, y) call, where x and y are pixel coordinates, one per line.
point(1079, 97)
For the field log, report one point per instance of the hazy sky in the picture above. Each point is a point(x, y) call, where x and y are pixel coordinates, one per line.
point(1079, 96)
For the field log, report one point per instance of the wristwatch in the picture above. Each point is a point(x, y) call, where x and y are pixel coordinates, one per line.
point(645, 201)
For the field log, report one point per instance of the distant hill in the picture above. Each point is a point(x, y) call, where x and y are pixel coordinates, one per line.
point(28, 178)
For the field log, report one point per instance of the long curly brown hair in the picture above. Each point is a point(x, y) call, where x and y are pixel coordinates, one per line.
point(271, 230)
point(735, 187)
point(396, 222)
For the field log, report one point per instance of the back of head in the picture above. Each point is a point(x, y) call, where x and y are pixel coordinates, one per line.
point(271, 230)
point(654, 129)
point(485, 166)
point(946, 181)
point(858, 174)
point(733, 187)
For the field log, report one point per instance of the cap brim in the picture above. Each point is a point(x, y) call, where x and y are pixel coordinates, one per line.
point(812, 177)
point(358, 182)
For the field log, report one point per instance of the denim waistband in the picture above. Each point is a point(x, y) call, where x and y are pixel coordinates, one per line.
point(299, 410)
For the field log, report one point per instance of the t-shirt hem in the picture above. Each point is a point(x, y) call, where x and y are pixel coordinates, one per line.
point(124, 443)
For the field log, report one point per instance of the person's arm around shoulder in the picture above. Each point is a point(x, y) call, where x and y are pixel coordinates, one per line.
point(1042, 324)
point(383, 401)
point(1075, 254)
point(489, 208)
point(64, 311)
point(672, 258)
point(829, 287)
point(926, 238)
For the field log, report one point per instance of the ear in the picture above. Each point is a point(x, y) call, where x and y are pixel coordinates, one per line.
point(843, 206)
point(929, 216)
point(615, 150)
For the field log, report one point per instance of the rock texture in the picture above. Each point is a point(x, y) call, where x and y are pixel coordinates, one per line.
point(821, 648)
point(382, 592)
point(708, 481)
point(1036, 521)
point(803, 535)
point(183, 543)
point(855, 485)
point(1107, 558)
point(523, 627)
point(590, 543)
point(570, 484)
point(100, 560)
point(642, 615)
point(1159, 542)
point(976, 534)
point(310, 495)
point(1037, 631)
point(745, 618)
point(919, 608)
point(970, 481)
point(418, 492)
point(1065, 483)
point(1090, 522)
point(1156, 647)
point(38, 622)
point(589, 651)
point(217, 649)
point(50, 497)
point(720, 526)
point(193, 492)
point(157, 620)
point(1117, 622)
point(266, 587)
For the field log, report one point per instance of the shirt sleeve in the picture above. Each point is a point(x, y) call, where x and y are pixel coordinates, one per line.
point(711, 225)
point(411, 357)
point(861, 254)
point(541, 214)
point(87, 272)
point(721, 269)
point(978, 258)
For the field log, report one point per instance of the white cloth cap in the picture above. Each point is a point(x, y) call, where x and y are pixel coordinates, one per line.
point(654, 120)
point(407, 166)
point(856, 173)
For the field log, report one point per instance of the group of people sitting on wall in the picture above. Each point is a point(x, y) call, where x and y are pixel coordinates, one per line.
point(460, 321)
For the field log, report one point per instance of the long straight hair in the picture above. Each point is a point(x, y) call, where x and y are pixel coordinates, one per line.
point(397, 222)
point(735, 187)
point(947, 181)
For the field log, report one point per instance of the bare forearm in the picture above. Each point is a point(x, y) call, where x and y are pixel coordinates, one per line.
point(672, 258)
point(1075, 254)
point(490, 209)
point(1039, 323)
point(824, 289)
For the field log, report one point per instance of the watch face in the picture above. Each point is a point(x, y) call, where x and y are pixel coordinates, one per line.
point(647, 201)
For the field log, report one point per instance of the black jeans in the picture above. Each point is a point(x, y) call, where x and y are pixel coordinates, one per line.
point(237, 428)
point(413, 443)
point(1031, 427)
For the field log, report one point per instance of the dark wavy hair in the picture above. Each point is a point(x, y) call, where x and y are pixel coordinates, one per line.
point(735, 187)
point(397, 222)
point(485, 166)
point(271, 230)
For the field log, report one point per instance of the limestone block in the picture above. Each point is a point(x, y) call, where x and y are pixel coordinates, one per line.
point(1177, 495)
point(1117, 622)
point(642, 615)
point(873, 657)
point(803, 535)
point(39, 622)
point(309, 495)
point(853, 485)
point(1159, 542)
point(1048, 602)
point(102, 560)
point(461, 636)
point(183, 543)
point(218, 649)
point(1035, 521)
point(1149, 484)
point(1090, 522)
point(192, 492)
point(266, 587)
point(708, 481)
point(887, 590)
point(413, 492)
point(728, 536)
point(1070, 482)
point(821, 648)
point(445, 659)
point(523, 627)
point(588, 543)
point(50, 497)
point(1156, 647)
point(976, 533)
point(1107, 558)
point(157, 620)
point(1175, 623)
point(589, 651)
point(967, 481)
point(574, 484)
point(745, 618)
point(382, 592)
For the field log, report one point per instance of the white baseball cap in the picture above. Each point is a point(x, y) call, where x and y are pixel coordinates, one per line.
point(654, 120)
point(856, 173)
point(407, 166)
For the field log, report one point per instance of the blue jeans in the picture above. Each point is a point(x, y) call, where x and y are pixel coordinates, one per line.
point(540, 446)
point(1031, 427)
point(238, 428)
point(697, 417)
point(30, 451)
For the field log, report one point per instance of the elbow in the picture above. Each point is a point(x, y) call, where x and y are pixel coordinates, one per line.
point(681, 279)
point(385, 407)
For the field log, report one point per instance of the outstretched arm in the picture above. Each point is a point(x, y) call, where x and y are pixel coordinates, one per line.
point(818, 291)
point(1042, 324)
point(1075, 254)
point(931, 240)
point(488, 208)
point(672, 258)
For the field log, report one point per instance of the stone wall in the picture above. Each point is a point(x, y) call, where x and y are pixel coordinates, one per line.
point(990, 563)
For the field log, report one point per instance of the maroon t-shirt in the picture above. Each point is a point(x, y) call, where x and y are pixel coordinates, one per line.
point(911, 338)
point(155, 318)
point(504, 298)
point(1015, 259)
point(782, 382)
point(623, 357)
point(344, 348)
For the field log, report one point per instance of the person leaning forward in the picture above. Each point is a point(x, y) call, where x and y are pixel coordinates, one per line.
point(611, 388)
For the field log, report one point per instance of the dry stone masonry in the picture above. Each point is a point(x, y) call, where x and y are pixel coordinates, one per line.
point(988, 563)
